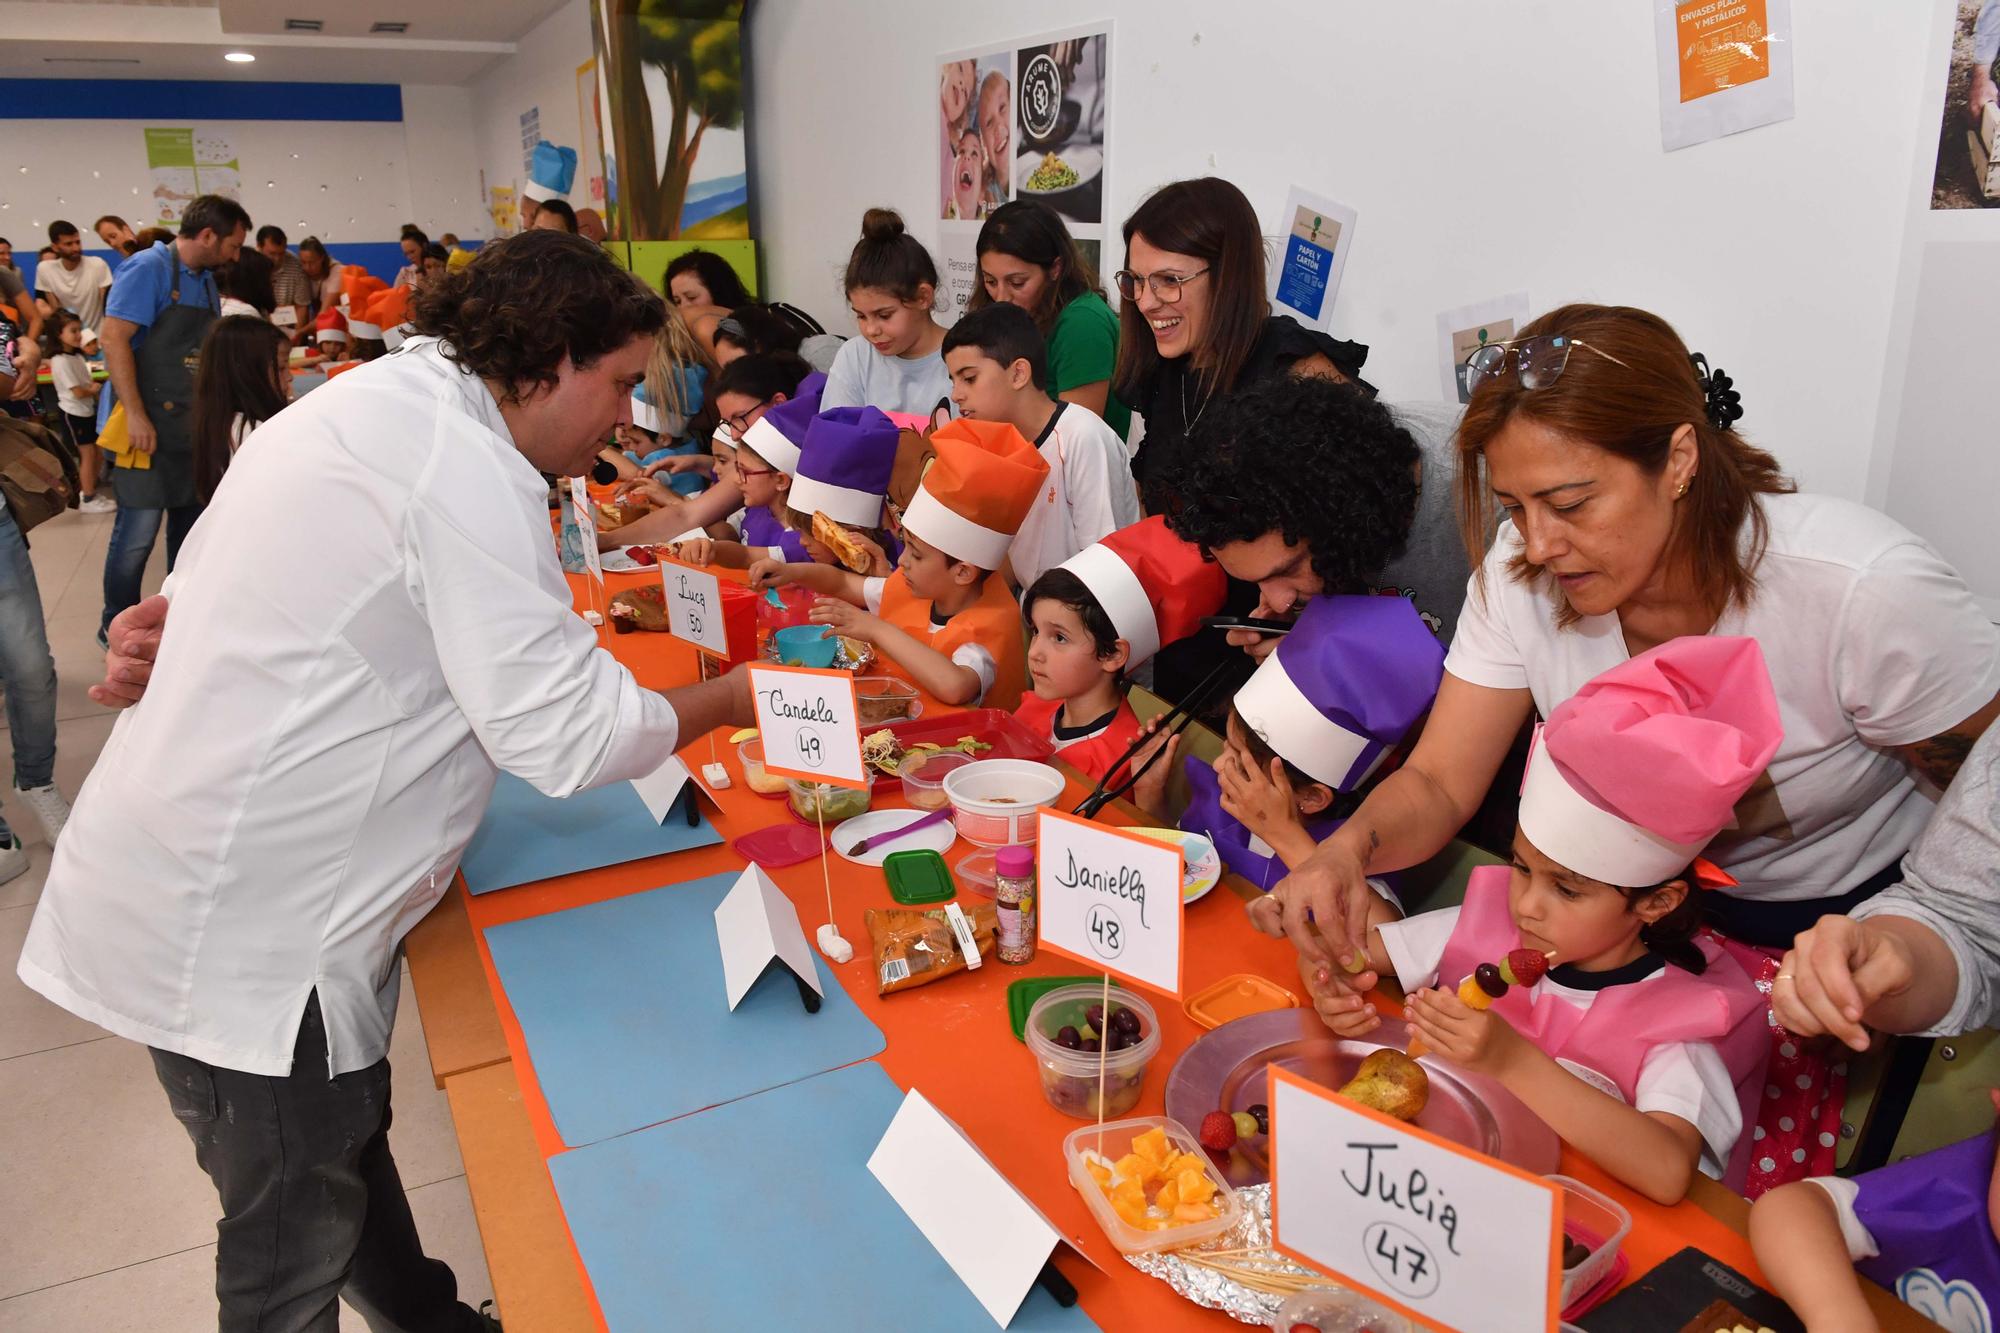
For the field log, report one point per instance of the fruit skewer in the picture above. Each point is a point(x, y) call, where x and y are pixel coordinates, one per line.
point(1489, 981)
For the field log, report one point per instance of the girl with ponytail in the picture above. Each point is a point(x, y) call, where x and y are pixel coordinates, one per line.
point(897, 364)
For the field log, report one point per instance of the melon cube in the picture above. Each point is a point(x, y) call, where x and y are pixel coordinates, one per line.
point(1194, 1187)
point(1169, 1195)
point(1130, 1213)
point(1099, 1173)
point(1193, 1212)
point(1133, 1167)
point(1153, 1145)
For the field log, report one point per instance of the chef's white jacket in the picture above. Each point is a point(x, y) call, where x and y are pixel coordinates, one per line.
point(367, 622)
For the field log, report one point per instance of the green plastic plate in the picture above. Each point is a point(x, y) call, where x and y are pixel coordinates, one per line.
point(918, 877)
point(1022, 994)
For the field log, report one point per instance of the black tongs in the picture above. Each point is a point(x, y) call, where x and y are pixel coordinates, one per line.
point(1171, 723)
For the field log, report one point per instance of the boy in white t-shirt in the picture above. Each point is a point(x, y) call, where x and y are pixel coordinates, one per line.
point(999, 372)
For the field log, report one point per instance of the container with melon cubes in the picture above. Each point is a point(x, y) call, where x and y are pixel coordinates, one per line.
point(1149, 1184)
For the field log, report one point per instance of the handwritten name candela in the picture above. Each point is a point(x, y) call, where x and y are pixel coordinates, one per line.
point(1111, 900)
point(808, 720)
point(811, 710)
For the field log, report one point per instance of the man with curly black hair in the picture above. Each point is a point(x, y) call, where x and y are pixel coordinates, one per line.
point(369, 623)
point(1304, 486)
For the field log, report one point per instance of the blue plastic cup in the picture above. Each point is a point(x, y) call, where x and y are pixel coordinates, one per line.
point(806, 645)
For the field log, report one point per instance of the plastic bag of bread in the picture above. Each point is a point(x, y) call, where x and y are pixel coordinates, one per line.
point(916, 948)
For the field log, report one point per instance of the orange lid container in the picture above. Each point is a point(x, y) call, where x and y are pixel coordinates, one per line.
point(1236, 997)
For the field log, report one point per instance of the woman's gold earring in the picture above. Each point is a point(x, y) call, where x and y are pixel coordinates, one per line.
point(1682, 491)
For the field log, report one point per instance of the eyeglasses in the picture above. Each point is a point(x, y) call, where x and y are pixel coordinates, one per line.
point(741, 420)
point(748, 472)
point(1539, 361)
point(1166, 287)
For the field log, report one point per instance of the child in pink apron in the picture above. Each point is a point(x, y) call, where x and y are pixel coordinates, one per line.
point(1580, 977)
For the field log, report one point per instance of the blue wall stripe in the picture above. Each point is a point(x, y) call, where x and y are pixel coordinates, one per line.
point(189, 99)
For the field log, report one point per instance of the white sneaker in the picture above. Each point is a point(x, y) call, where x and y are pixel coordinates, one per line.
point(13, 860)
point(97, 504)
point(48, 806)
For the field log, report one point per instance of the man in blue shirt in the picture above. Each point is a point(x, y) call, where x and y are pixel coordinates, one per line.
point(158, 313)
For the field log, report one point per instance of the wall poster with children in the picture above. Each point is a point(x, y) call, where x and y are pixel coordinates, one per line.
point(185, 163)
point(1021, 120)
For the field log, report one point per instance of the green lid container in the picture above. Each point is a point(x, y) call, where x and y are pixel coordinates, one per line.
point(918, 877)
point(1022, 994)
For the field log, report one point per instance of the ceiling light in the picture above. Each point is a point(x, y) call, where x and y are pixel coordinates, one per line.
point(238, 57)
point(390, 27)
point(303, 25)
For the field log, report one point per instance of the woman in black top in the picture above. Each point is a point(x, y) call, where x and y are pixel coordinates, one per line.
point(1196, 325)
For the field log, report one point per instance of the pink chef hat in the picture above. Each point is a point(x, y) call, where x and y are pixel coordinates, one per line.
point(1634, 774)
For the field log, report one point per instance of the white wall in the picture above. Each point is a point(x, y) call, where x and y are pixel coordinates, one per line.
point(1488, 147)
point(541, 73)
point(339, 180)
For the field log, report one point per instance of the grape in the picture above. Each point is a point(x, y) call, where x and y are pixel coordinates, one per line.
point(1263, 1116)
point(1127, 1021)
point(1095, 1016)
point(1090, 1045)
point(1488, 978)
point(1070, 1039)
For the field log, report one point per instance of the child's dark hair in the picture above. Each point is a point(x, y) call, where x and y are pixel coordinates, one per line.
point(1005, 333)
point(1066, 589)
point(760, 375)
point(889, 258)
point(724, 287)
point(1034, 233)
point(757, 327)
point(1672, 936)
point(238, 375)
point(52, 333)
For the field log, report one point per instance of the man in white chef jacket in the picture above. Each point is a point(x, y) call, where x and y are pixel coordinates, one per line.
point(368, 623)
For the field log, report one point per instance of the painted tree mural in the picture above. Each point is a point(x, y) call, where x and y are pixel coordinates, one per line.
point(696, 48)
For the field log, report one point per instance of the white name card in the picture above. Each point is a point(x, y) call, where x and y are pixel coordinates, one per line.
point(755, 923)
point(988, 1231)
point(694, 607)
point(1449, 1237)
point(809, 719)
point(1111, 900)
point(660, 788)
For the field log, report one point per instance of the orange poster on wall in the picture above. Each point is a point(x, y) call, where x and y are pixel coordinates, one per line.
point(1723, 44)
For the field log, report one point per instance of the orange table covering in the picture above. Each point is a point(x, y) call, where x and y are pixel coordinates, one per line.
point(951, 1039)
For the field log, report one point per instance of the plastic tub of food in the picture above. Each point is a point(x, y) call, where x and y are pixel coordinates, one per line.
point(806, 645)
point(1107, 1155)
point(884, 699)
point(1336, 1310)
point(923, 778)
point(1599, 1224)
point(996, 800)
point(822, 802)
point(751, 752)
point(1070, 1075)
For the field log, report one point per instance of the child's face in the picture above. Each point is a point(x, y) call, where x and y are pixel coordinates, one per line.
point(955, 90)
point(412, 252)
point(758, 479)
point(631, 437)
point(1015, 281)
point(891, 326)
point(996, 108)
point(1062, 656)
point(983, 389)
point(930, 572)
point(1581, 919)
point(968, 175)
point(1310, 799)
point(72, 337)
point(688, 291)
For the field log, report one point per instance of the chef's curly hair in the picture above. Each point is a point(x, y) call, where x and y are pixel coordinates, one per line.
point(1312, 459)
point(526, 304)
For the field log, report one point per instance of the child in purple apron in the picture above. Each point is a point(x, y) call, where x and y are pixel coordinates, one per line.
point(1923, 1228)
point(1580, 977)
point(1312, 724)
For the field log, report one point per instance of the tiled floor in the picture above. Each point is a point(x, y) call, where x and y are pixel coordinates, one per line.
point(106, 1223)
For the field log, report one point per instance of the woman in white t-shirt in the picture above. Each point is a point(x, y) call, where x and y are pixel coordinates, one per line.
point(1635, 514)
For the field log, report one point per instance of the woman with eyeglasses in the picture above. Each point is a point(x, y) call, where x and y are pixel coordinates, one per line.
point(1194, 325)
point(1028, 258)
point(1633, 513)
point(1194, 321)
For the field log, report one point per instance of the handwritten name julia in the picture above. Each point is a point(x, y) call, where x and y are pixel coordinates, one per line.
point(1411, 1193)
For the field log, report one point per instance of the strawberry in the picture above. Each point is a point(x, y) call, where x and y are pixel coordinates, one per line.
point(1218, 1131)
point(1527, 966)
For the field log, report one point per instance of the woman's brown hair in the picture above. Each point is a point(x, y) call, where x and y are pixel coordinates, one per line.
point(1632, 410)
point(1209, 219)
point(1034, 233)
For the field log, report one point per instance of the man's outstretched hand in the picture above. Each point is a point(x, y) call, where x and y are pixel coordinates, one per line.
point(135, 642)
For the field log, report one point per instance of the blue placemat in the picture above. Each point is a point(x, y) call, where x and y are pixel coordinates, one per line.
point(762, 1214)
point(527, 836)
point(628, 1024)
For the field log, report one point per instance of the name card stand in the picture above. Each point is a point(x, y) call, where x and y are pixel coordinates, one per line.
point(758, 930)
point(810, 723)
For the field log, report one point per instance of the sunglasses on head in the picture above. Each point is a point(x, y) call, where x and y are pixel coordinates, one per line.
point(1538, 361)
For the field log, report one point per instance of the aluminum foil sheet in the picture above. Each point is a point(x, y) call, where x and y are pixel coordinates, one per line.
point(1205, 1286)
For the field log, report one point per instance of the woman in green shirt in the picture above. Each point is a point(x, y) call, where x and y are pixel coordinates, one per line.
point(1028, 258)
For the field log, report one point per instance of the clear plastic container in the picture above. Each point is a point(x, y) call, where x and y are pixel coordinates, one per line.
point(995, 800)
point(751, 752)
point(1597, 1222)
point(884, 699)
point(1113, 1141)
point(923, 779)
point(1337, 1310)
point(1070, 1078)
point(817, 802)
